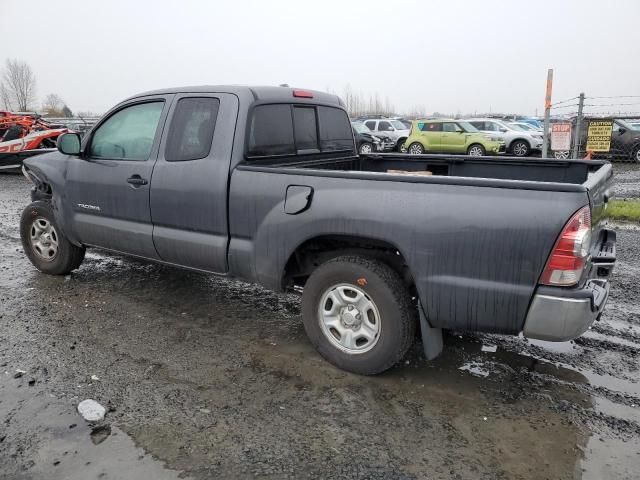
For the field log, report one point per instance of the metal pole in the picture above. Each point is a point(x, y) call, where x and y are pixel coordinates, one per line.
point(547, 113)
point(576, 138)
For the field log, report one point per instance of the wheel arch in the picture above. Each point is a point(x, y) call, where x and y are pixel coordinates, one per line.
point(314, 251)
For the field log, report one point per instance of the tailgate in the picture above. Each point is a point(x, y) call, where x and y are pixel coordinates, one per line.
point(600, 191)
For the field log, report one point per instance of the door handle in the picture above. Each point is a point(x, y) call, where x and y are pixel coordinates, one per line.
point(137, 180)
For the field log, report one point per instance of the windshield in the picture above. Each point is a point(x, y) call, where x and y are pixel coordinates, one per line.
point(398, 125)
point(467, 127)
point(628, 126)
point(360, 127)
point(520, 128)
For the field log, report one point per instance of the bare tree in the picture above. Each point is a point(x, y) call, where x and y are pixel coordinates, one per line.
point(52, 105)
point(18, 86)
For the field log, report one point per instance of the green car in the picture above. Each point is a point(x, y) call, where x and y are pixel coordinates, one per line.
point(451, 136)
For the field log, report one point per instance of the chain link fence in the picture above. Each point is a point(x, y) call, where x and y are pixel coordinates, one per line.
point(596, 127)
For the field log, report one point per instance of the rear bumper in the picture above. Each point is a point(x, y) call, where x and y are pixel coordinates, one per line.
point(561, 318)
point(559, 314)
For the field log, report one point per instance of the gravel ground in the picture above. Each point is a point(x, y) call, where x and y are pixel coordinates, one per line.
point(205, 377)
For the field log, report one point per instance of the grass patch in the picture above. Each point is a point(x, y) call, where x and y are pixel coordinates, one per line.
point(624, 210)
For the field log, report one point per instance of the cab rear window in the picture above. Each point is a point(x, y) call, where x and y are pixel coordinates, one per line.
point(288, 129)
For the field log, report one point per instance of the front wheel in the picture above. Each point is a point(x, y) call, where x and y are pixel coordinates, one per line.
point(366, 148)
point(416, 149)
point(358, 314)
point(636, 155)
point(44, 243)
point(476, 150)
point(520, 148)
point(400, 146)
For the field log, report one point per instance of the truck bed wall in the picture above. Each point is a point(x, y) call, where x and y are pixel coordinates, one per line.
point(475, 253)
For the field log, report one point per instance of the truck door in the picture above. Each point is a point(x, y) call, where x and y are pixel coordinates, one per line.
point(190, 179)
point(108, 187)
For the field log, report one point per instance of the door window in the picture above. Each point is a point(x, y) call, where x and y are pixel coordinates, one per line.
point(191, 130)
point(450, 127)
point(128, 134)
point(385, 127)
point(430, 127)
point(371, 124)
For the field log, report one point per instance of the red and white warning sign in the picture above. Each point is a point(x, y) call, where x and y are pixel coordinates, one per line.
point(560, 136)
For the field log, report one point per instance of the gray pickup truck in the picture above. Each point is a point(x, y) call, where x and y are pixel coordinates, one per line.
point(264, 184)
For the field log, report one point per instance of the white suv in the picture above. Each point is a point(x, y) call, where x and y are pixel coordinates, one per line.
point(518, 141)
point(395, 129)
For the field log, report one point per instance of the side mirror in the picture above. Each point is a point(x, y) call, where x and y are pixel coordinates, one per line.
point(622, 131)
point(459, 131)
point(503, 130)
point(69, 144)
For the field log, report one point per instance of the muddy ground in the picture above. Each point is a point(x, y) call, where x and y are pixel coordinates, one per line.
point(210, 378)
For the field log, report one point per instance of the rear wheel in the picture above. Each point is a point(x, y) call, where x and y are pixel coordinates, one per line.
point(476, 150)
point(400, 146)
point(636, 155)
point(416, 149)
point(44, 243)
point(358, 314)
point(520, 148)
point(365, 148)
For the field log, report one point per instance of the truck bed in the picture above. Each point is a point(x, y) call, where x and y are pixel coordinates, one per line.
point(506, 172)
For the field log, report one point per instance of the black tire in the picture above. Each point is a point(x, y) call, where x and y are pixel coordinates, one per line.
point(416, 149)
point(520, 148)
point(68, 257)
point(635, 156)
point(476, 150)
point(383, 286)
point(363, 147)
point(400, 146)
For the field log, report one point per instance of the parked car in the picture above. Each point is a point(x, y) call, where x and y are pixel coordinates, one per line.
point(451, 136)
point(395, 129)
point(518, 142)
point(527, 127)
point(265, 185)
point(625, 141)
point(367, 142)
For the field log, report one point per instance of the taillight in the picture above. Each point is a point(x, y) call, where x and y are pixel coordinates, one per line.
point(569, 255)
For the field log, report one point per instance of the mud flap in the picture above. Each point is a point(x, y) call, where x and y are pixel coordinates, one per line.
point(431, 337)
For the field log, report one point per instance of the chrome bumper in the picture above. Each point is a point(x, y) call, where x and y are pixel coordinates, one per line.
point(565, 317)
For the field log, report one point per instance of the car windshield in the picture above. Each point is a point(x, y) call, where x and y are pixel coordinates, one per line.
point(398, 125)
point(520, 128)
point(467, 127)
point(628, 126)
point(361, 127)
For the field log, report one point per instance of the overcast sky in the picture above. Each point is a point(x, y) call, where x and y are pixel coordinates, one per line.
point(447, 56)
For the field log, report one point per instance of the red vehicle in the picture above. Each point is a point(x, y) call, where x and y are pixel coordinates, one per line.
point(23, 135)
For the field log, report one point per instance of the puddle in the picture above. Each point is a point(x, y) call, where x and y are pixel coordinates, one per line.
point(610, 458)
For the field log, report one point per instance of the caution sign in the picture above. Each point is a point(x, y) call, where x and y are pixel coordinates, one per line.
point(599, 135)
point(561, 136)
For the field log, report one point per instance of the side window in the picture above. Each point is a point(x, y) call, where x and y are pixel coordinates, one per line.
point(492, 127)
point(432, 127)
point(335, 129)
point(271, 131)
point(128, 134)
point(306, 128)
point(450, 127)
point(191, 130)
point(385, 127)
point(478, 125)
point(371, 124)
